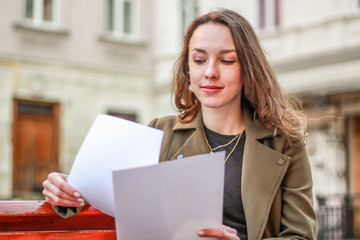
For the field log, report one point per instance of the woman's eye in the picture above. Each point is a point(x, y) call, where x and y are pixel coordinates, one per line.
point(228, 61)
point(199, 60)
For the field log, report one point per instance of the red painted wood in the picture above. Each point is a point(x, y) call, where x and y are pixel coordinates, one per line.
point(39, 216)
point(98, 235)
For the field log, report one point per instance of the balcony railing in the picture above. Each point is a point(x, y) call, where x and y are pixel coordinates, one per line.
point(339, 217)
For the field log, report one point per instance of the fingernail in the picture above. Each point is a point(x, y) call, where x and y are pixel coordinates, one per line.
point(200, 233)
point(76, 194)
point(81, 201)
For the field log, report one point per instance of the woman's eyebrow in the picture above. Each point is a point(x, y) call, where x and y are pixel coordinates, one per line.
point(224, 51)
point(227, 51)
point(198, 50)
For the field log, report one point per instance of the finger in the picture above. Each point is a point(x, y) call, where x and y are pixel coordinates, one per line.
point(57, 201)
point(65, 176)
point(59, 180)
point(219, 233)
point(58, 192)
point(49, 187)
point(214, 232)
point(229, 229)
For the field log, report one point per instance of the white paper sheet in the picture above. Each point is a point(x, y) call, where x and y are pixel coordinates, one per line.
point(170, 201)
point(112, 144)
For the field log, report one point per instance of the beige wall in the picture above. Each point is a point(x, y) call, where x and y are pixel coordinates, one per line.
point(80, 37)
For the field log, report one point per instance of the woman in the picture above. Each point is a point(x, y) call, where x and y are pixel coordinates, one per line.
point(229, 99)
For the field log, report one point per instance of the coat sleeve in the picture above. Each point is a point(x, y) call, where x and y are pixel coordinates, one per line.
point(298, 217)
point(67, 212)
point(152, 123)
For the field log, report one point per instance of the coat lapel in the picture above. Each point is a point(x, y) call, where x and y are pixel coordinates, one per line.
point(263, 171)
point(195, 143)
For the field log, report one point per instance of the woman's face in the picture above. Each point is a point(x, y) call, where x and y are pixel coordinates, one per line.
point(214, 67)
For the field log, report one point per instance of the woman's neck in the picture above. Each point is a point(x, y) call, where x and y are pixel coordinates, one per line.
point(223, 121)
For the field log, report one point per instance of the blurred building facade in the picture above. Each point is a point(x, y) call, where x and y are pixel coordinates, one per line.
point(62, 64)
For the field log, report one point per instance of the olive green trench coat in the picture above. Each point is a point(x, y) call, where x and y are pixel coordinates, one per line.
point(276, 179)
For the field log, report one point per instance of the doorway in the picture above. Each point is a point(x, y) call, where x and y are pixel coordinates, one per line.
point(35, 145)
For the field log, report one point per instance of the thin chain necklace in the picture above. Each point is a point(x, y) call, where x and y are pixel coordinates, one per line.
point(238, 136)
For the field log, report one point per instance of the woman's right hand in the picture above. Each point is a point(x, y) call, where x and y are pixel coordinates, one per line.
point(58, 192)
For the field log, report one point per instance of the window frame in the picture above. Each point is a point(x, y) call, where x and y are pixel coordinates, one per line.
point(188, 16)
point(115, 24)
point(269, 14)
point(356, 4)
point(37, 18)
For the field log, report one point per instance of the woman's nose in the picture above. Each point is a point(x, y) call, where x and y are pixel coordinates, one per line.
point(212, 71)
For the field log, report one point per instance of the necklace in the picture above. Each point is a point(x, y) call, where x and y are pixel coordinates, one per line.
point(238, 136)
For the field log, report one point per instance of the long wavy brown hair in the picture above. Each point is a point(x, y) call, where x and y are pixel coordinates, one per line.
point(261, 89)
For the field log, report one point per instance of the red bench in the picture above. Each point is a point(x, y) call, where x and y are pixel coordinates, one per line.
point(37, 220)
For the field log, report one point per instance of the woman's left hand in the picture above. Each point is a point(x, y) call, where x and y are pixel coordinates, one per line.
point(222, 233)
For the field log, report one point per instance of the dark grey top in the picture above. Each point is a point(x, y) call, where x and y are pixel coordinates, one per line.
point(233, 211)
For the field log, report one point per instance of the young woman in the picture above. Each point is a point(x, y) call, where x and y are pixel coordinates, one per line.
point(229, 99)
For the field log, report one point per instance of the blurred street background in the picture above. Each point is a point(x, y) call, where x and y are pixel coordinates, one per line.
point(63, 62)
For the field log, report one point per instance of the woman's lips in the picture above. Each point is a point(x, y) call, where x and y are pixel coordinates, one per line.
point(211, 88)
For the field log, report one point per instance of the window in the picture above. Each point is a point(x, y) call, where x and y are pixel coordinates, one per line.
point(189, 12)
point(127, 116)
point(269, 14)
point(357, 4)
point(123, 18)
point(42, 12)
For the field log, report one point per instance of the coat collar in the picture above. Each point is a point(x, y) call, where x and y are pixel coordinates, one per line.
point(253, 127)
point(196, 123)
point(196, 143)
